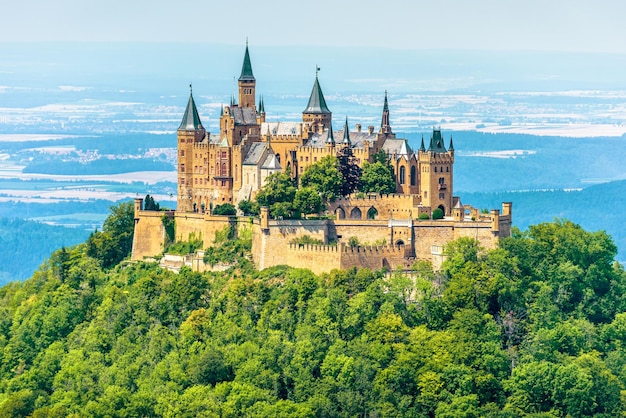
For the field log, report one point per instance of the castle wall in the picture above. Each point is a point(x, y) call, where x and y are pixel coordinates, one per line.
point(375, 258)
point(202, 225)
point(149, 237)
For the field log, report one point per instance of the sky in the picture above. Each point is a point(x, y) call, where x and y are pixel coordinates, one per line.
point(512, 25)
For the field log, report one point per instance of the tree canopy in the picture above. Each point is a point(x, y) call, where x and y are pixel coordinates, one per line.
point(535, 327)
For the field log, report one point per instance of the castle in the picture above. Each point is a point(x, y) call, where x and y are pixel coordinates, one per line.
point(233, 164)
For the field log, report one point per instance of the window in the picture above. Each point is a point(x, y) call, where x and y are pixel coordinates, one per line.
point(402, 174)
point(441, 180)
point(182, 152)
point(413, 175)
point(223, 173)
point(435, 169)
point(182, 168)
point(447, 169)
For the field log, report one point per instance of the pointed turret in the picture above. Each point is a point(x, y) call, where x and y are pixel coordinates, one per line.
point(436, 142)
point(191, 118)
point(451, 147)
point(346, 134)
point(317, 115)
point(330, 141)
point(317, 103)
point(422, 147)
point(385, 126)
point(246, 68)
point(247, 82)
point(261, 106)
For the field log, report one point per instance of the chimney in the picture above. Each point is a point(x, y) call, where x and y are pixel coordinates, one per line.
point(370, 129)
point(358, 127)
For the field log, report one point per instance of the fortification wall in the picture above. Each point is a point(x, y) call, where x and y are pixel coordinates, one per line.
point(375, 258)
point(270, 245)
point(202, 226)
point(149, 237)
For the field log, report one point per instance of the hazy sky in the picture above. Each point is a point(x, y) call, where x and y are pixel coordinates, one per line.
point(560, 25)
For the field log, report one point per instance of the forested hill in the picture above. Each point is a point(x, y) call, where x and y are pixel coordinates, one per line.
point(534, 327)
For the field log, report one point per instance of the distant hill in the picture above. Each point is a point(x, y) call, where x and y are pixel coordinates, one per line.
point(26, 244)
point(598, 207)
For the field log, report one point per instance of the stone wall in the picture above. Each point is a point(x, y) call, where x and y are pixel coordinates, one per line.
point(149, 237)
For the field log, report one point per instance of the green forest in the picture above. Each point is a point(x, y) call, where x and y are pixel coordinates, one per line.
point(536, 327)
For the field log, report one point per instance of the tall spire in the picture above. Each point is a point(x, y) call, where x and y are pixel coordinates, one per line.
point(346, 133)
point(191, 118)
point(451, 147)
point(261, 105)
point(317, 103)
point(422, 147)
point(385, 126)
point(246, 68)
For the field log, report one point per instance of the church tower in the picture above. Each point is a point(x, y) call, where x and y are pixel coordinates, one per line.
point(190, 132)
point(317, 115)
point(247, 82)
point(436, 173)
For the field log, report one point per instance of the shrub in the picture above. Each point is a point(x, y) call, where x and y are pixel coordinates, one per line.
point(227, 209)
point(437, 214)
point(423, 216)
point(353, 242)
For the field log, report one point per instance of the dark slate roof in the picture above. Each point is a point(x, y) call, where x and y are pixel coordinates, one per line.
point(346, 134)
point(246, 68)
point(357, 139)
point(317, 103)
point(255, 153)
point(422, 147)
point(191, 119)
point(436, 142)
point(243, 115)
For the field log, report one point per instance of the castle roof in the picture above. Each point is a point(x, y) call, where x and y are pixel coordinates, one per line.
point(191, 118)
point(436, 142)
point(317, 103)
point(255, 153)
point(357, 139)
point(280, 128)
point(246, 68)
point(243, 115)
point(397, 146)
point(271, 162)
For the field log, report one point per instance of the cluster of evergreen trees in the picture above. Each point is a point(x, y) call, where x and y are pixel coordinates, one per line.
point(536, 328)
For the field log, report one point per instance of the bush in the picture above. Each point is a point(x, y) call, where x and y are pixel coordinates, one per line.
point(227, 209)
point(423, 216)
point(185, 247)
point(437, 214)
point(353, 242)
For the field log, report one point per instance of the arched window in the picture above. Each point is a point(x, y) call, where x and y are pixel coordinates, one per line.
point(413, 175)
point(223, 173)
point(355, 213)
point(372, 213)
point(341, 214)
point(402, 174)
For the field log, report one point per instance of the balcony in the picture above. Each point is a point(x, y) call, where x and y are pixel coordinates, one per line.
point(443, 186)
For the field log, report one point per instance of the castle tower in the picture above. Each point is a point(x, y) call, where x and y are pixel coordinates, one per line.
point(317, 114)
point(247, 82)
point(190, 132)
point(436, 173)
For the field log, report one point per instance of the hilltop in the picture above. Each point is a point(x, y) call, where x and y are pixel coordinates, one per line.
point(535, 326)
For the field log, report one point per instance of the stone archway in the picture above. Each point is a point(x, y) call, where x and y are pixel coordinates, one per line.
point(372, 213)
point(399, 242)
point(443, 209)
point(340, 213)
point(355, 213)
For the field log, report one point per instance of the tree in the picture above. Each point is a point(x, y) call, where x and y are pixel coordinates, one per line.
point(437, 213)
point(325, 177)
point(308, 201)
point(248, 207)
point(150, 204)
point(278, 194)
point(226, 209)
point(115, 241)
point(350, 171)
point(377, 177)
